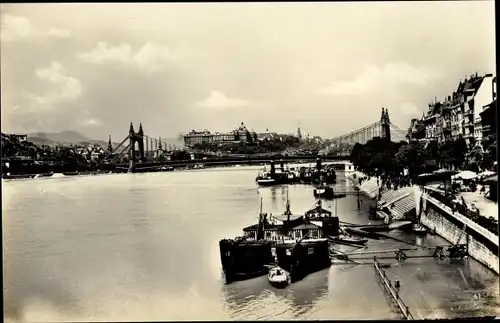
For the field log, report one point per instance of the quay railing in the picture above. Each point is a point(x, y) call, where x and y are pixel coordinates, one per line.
point(487, 233)
point(392, 290)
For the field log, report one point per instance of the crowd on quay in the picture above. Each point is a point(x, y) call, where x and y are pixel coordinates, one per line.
point(397, 165)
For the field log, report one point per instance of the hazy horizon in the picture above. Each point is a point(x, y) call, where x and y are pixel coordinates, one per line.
point(94, 68)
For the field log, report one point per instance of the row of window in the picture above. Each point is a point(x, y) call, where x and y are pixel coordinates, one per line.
point(275, 236)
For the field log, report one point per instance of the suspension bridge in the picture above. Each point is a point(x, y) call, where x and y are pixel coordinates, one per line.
point(144, 151)
point(383, 128)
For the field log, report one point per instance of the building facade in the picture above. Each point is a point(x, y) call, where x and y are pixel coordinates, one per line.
point(489, 120)
point(241, 134)
point(458, 115)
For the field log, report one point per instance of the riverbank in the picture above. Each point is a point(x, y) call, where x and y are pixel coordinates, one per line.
point(454, 227)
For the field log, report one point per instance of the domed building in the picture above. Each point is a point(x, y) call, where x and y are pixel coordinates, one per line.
point(240, 134)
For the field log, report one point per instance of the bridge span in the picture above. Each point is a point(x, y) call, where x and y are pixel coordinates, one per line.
point(249, 160)
point(150, 149)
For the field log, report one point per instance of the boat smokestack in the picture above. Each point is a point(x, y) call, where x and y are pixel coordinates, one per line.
point(282, 164)
point(260, 227)
point(273, 167)
point(318, 163)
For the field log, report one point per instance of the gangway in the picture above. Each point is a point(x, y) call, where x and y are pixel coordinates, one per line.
point(392, 290)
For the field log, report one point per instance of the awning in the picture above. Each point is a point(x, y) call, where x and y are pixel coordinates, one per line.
point(391, 195)
point(402, 206)
point(466, 174)
point(486, 173)
point(492, 179)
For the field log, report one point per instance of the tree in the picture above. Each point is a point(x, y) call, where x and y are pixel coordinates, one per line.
point(384, 161)
point(460, 151)
point(411, 156)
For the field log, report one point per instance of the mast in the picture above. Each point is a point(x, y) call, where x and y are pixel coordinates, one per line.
point(336, 207)
point(287, 211)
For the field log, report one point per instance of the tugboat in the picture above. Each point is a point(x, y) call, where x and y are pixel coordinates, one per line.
point(265, 179)
point(275, 176)
point(324, 191)
point(278, 277)
point(320, 174)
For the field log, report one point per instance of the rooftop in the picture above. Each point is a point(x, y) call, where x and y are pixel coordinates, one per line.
point(306, 226)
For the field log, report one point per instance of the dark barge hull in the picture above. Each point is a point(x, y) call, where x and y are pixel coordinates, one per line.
point(279, 179)
point(266, 183)
point(307, 258)
point(236, 276)
point(245, 259)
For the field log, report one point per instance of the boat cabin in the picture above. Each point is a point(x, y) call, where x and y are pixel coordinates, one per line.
point(271, 232)
point(312, 231)
point(349, 167)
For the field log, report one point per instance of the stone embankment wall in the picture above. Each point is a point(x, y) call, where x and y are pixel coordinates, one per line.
point(481, 243)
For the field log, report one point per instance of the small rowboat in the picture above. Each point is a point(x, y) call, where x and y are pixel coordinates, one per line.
point(278, 277)
point(266, 181)
point(419, 229)
point(347, 240)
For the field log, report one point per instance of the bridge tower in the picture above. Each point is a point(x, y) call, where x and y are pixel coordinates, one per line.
point(110, 146)
point(299, 133)
point(385, 125)
point(159, 151)
point(135, 137)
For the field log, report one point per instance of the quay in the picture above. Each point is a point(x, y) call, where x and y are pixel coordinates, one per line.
point(481, 243)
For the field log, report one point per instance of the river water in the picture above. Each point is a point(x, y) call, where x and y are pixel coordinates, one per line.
point(133, 247)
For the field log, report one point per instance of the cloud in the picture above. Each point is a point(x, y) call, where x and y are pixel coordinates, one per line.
point(150, 57)
point(375, 80)
point(69, 88)
point(410, 110)
point(14, 28)
point(91, 122)
point(219, 100)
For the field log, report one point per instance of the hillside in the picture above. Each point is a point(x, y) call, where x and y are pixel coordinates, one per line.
point(70, 137)
point(75, 138)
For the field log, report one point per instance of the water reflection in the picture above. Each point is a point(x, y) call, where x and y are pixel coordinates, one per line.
point(273, 197)
point(245, 299)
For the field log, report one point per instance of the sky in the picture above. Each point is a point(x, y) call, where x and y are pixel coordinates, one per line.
point(330, 67)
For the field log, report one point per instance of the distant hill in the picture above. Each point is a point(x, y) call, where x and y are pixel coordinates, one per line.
point(63, 138)
point(75, 138)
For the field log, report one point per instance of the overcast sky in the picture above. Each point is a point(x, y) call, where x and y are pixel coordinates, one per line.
point(94, 68)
